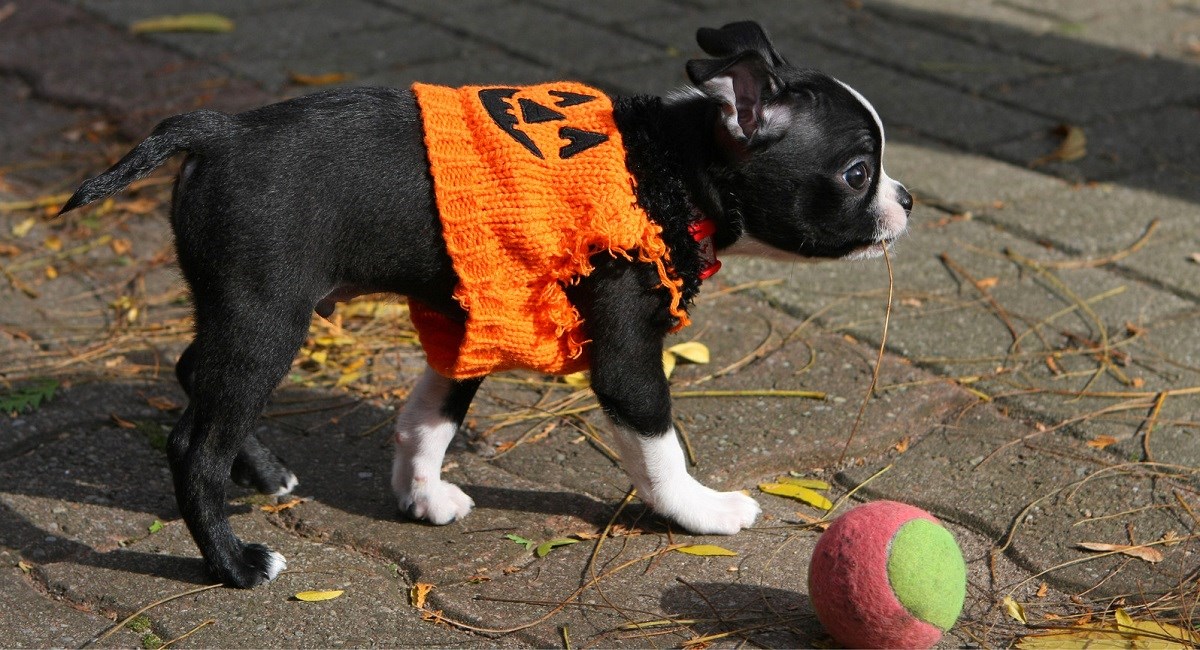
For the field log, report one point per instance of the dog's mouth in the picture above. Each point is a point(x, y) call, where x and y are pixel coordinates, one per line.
point(871, 250)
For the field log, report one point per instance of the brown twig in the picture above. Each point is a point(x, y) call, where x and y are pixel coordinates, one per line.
point(112, 630)
point(997, 308)
point(1148, 426)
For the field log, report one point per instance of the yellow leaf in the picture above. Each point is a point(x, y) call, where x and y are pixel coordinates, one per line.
point(51, 272)
point(347, 378)
point(668, 363)
point(54, 243)
point(814, 499)
point(1147, 553)
point(418, 594)
point(201, 22)
point(577, 380)
point(23, 228)
point(319, 79)
point(318, 596)
point(706, 550)
point(1014, 609)
point(693, 351)
point(320, 356)
point(810, 483)
point(24, 566)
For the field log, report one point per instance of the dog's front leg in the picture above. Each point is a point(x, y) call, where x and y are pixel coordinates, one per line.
point(624, 314)
point(434, 411)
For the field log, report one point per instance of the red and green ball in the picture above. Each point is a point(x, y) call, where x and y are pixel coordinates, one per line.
point(887, 575)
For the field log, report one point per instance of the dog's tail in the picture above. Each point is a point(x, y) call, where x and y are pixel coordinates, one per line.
point(174, 134)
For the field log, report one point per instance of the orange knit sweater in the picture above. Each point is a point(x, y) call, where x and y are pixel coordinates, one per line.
point(530, 183)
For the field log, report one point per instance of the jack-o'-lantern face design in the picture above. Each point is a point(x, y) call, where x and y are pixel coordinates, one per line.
point(523, 120)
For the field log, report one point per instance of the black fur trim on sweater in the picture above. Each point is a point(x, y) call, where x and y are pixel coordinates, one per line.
point(660, 186)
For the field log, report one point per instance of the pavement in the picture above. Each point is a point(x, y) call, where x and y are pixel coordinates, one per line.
point(1040, 386)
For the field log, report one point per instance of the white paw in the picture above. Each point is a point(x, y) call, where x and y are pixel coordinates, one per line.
point(288, 486)
point(704, 511)
point(274, 565)
point(437, 502)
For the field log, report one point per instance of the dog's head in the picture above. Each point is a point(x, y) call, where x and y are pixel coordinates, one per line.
point(804, 152)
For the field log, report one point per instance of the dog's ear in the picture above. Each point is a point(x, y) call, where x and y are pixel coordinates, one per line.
point(736, 38)
point(753, 106)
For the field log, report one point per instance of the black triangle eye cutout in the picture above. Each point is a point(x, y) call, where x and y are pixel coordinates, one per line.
point(580, 141)
point(566, 99)
point(534, 113)
point(495, 102)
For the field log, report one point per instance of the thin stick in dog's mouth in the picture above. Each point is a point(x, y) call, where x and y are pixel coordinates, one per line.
point(887, 319)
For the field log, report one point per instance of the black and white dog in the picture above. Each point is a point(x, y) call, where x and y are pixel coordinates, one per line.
point(292, 207)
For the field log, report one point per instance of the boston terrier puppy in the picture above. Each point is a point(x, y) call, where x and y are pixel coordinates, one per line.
point(290, 208)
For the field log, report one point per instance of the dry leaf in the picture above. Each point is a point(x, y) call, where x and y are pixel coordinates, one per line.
point(53, 242)
point(1171, 538)
point(23, 228)
point(200, 22)
point(706, 550)
point(1125, 632)
point(988, 283)
point(1052, 364)
point(280, 507)
point(814, 499)
point(1072, 147)
point(319, 79)
point(693, 351)
point(1014, 609)
point(51, 272)
point(418, 594)
point(121, 422)
point(24, 566)
point(8, 250)
point(1043, 589)
point(162, 403)
point(120, 246)
point(1147, 553)
point(318, 596)
point(911, 302)
point(1137, 382)
point(1194, 257)
point(902, 446)
point(1100, 442)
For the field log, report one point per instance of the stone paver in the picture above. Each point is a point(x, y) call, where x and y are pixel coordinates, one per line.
point(995, 441)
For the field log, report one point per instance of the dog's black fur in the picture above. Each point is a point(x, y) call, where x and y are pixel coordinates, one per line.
point(286, 209)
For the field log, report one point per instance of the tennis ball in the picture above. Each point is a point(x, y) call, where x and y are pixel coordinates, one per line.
point(887, 575)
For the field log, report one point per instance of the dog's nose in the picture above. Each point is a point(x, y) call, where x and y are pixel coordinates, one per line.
point(905, 199)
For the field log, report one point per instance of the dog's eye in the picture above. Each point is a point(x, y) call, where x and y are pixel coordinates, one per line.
point(857, 176)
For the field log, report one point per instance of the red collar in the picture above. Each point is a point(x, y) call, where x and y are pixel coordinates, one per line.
point(702, 231)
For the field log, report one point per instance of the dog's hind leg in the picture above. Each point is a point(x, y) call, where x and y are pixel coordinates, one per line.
point(434, 411)
point(255, 466)
point(240, 355)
